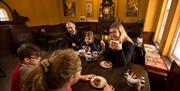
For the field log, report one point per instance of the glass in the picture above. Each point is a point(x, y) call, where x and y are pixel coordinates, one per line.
point(69, 28)
point(95, 55)
point(36, 56)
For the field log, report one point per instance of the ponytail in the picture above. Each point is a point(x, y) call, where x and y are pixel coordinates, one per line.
point(54, 72)
point(36, 80)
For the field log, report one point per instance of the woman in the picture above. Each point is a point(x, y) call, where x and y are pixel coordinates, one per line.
point(119, 48)
point(57, 73)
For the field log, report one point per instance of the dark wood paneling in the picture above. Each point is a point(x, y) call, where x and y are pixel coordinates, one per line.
point(133, 29)
point(5, 41)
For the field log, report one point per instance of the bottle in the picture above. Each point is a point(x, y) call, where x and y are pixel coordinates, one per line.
point(139, 41)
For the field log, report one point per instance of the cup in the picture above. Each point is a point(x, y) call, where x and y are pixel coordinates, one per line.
point(88, 56)
point(82, 52)
point(95, 55)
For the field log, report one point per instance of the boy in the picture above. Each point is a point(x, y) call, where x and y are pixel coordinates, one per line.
point(29, 56)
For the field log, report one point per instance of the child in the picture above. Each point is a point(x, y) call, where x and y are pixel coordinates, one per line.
point(88, 44)
point(29, 55)
point(58, 72)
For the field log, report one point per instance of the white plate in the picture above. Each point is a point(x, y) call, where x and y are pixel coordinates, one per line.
point(106, 64)
point(101, 82)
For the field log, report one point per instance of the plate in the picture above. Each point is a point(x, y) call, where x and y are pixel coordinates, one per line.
point(106, 64)
point(98, 82)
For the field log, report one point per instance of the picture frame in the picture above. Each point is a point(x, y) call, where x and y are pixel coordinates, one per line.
point(89, 8)
point(132, 7)
point(69, 7)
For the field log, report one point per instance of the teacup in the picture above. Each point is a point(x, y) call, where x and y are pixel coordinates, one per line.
point(82, 52)
point(95, 55)
point(88, 56)
point(115, 41)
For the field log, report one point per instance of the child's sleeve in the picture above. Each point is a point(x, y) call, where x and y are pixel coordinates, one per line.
point(94, 47)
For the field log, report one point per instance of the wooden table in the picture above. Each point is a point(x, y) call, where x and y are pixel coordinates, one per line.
point(114, 76)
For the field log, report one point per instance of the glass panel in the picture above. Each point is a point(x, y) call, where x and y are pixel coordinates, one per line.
point(176, 49)
point(164, 22)
point(3, 15)
point(175, 46)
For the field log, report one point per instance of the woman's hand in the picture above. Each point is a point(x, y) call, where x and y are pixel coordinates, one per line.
point(115, 45)
point(87, 77)
point(102, 43)
point(108, 87)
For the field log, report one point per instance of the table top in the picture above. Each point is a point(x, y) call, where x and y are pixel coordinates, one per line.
point(114, 76)
point(156, 66)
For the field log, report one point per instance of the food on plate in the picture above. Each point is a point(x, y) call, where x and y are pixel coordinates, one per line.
point(107, 63)
point(97, 81)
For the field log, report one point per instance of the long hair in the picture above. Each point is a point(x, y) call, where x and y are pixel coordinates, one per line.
point(54, 72)
point(120, 28)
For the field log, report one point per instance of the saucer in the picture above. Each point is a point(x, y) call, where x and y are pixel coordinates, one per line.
point(98, 82)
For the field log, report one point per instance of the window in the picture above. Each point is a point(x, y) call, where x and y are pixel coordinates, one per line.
point(3, 15)
point(163, 22)
point(175, 48)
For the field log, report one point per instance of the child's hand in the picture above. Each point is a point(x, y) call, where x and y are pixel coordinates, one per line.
point(108, 87)
point(87, 77)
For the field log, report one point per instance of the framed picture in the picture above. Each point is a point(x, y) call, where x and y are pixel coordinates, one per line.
point(132, 7)
point(89, 8)
point(69, 7)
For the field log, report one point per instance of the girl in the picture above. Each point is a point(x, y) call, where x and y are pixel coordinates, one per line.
point(88, 44)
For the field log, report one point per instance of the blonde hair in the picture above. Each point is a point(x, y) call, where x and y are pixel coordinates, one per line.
point(62, 65)
point(120, 28)
point(90, 34)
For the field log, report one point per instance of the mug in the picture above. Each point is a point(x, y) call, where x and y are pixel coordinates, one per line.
point(88, 56)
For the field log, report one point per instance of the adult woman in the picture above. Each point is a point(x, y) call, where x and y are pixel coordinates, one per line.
point(119, 48)
point(58, 73)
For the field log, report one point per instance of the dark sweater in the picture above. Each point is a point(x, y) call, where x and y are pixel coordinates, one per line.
point(119, 57)
point(91, 47)
point(68, 39)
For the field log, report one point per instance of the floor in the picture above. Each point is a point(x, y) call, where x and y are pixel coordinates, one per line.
point(7, 64)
